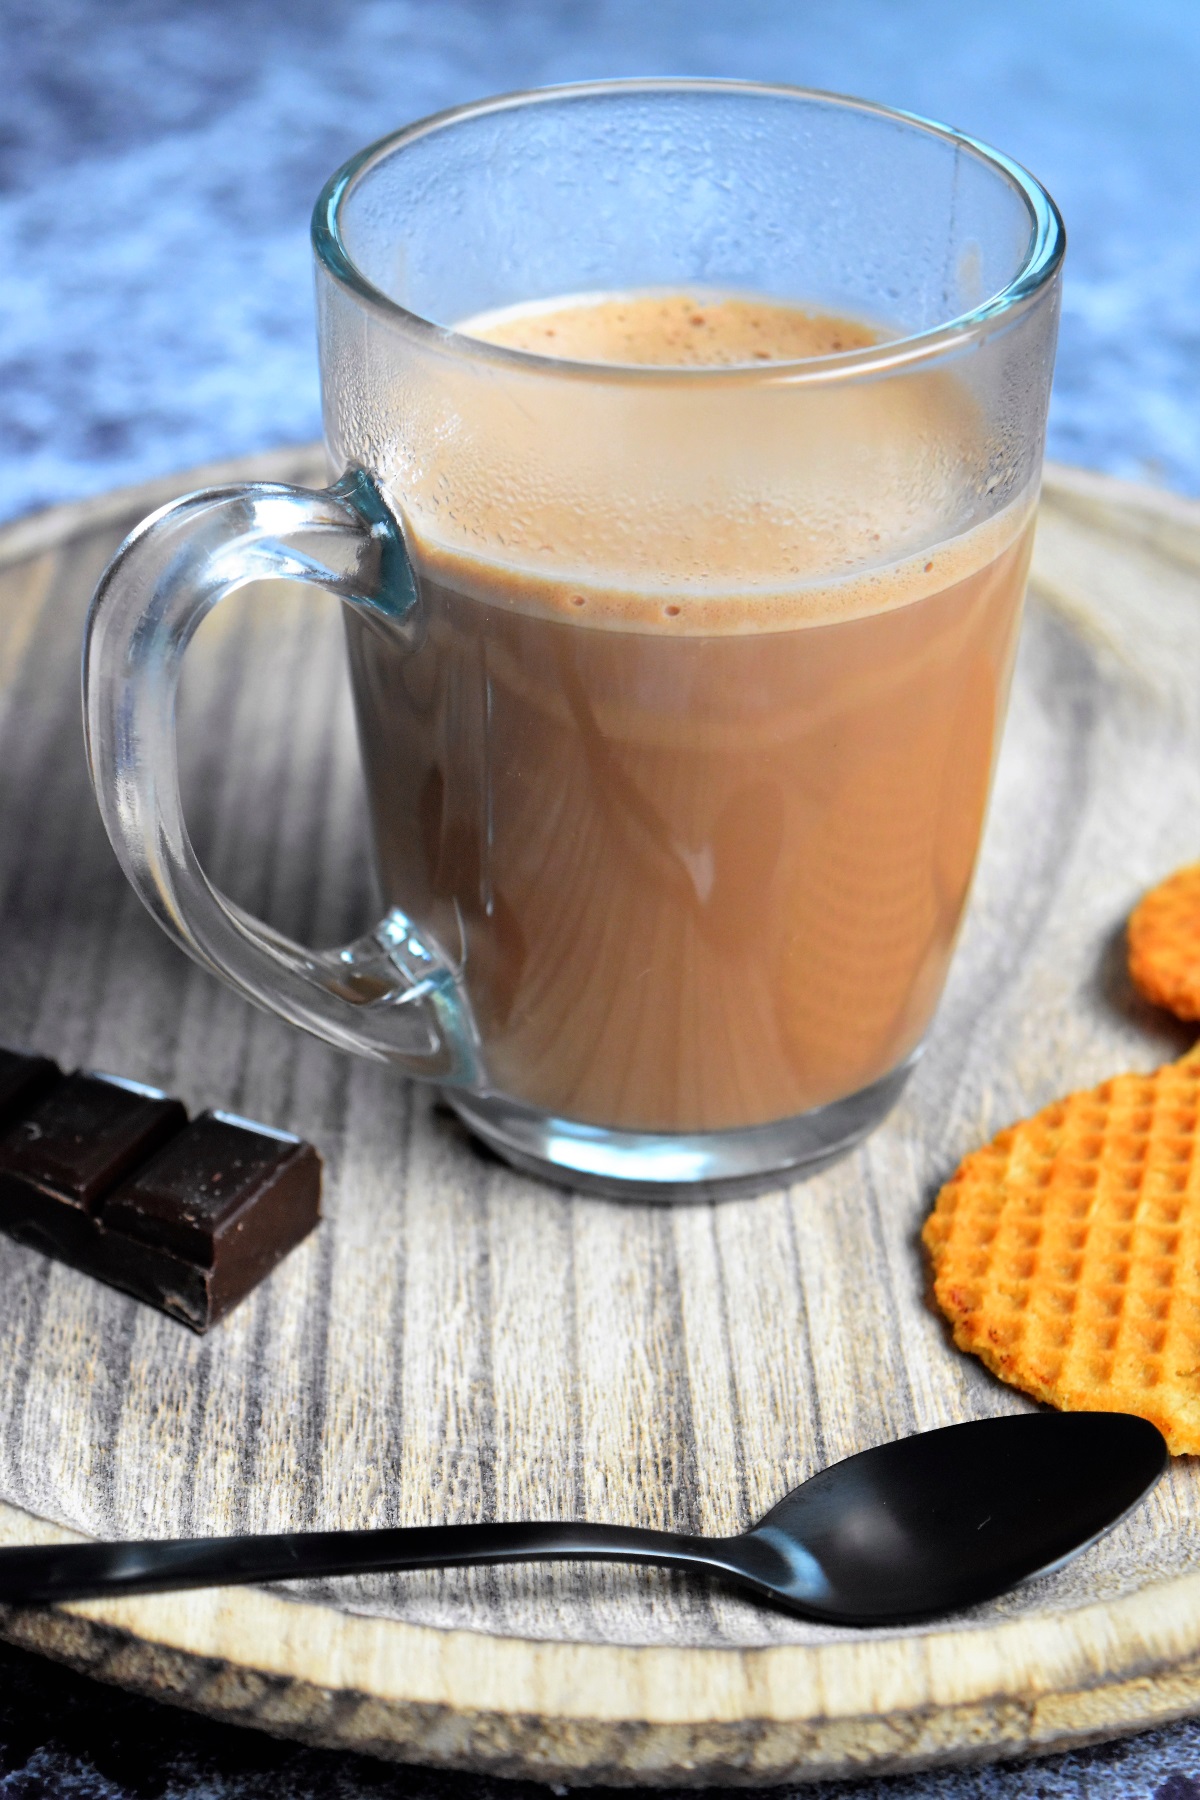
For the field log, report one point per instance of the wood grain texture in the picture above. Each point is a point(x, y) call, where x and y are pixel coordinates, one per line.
point(458, 1342)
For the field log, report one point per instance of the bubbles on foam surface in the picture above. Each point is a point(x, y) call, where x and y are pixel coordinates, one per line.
point(693, 504)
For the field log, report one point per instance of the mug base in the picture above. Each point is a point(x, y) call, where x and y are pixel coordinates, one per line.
point(676, 1166)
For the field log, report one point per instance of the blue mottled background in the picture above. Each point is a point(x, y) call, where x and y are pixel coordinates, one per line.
point(158, 163)
point(157, 167)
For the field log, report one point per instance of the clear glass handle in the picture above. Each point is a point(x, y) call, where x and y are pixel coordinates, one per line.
point(391, 995)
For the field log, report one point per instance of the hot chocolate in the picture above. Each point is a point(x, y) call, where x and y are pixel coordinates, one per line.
point(696, 808)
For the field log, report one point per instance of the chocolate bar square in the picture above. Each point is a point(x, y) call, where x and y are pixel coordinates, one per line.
point(86, 1132)
point(227, 1196)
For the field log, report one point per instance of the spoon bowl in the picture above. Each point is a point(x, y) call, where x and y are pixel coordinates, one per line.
point(947, 1519)
point(925, 1525)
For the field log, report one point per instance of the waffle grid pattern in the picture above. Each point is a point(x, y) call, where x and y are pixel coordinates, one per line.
point(1066, 1253)
point(1164, 944)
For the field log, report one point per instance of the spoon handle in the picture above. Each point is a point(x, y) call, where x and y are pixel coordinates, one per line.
point(39, 1574)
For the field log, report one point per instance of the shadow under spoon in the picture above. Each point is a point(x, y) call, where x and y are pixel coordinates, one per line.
point(925, 1525)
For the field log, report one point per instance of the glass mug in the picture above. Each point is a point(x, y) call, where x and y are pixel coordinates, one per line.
point(678, 687)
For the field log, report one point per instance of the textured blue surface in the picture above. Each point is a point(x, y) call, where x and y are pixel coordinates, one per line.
point(157, 167)
point(158, 163)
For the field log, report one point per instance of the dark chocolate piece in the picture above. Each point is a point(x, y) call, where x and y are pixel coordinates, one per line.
point(108, 1176)
point(22, 1080)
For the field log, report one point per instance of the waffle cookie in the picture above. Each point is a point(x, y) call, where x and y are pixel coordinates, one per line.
point(1164, 943)
point(1066, 1253)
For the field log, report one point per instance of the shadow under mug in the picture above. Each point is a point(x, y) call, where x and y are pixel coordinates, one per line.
point(673, 852)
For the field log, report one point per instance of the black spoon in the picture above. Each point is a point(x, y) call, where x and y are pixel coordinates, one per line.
point(921, 1526)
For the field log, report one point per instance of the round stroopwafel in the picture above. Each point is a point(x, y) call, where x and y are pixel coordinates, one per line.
point(1066, 1253)
point(1164, 943)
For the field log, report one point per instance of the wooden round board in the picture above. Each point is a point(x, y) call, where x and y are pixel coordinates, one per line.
point(457, 1342)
